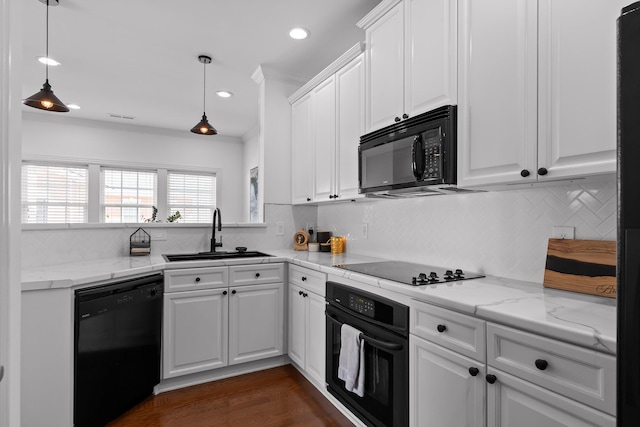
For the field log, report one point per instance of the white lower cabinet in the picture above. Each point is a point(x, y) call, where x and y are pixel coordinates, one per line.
point(307, 329)
point(515, 402)
point(229, 322)
point(256, 329)
point(195, 331)
point(446, 388)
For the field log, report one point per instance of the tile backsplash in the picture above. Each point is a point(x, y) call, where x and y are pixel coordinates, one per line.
point(502, 233)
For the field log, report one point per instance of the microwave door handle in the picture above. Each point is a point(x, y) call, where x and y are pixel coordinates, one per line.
point(417, 157)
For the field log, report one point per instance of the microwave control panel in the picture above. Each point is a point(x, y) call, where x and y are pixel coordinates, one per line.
point(433, 154)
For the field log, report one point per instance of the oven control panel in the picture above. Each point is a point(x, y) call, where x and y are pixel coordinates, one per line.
point(362, 305)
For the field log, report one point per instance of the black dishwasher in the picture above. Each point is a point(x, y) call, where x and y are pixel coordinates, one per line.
point(118, 330)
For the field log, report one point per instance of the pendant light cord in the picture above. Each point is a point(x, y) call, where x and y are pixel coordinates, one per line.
point(204, 86)
point(47, 47)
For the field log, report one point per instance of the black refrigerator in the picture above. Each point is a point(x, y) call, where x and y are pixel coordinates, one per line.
point(628, 265)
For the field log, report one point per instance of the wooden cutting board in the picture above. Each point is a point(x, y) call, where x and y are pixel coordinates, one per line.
point(585, 266)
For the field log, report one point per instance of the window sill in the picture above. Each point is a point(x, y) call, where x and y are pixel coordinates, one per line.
point(133, 225)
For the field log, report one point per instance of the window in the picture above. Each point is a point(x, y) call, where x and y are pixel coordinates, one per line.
point(54, 194)
point(193, 195)
point(128, 195)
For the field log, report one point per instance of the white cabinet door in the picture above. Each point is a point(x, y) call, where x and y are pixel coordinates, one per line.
point(301, 138)
point(385, 69)
point(442, 390)
point(195, 331)
point(349, 126)
point(513, 402)
point(324, 138)
point(297, 325)
point(255, 322)
point(430, 55)
point(497, 119)
point(577, 74)
point(315, 348)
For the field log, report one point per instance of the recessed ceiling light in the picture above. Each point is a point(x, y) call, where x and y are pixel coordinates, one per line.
point(298, 33)
point(48, 61)
point(224, 94)
point(73, 106)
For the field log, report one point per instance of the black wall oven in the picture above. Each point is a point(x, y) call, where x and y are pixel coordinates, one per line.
point(384, 328)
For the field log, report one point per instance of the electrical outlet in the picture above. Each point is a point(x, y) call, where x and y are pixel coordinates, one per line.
point(157, 235)
point(279, 228)
point(365, 230)
point(563, 232)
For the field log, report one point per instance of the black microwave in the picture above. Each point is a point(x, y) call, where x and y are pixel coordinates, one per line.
point(414, 157)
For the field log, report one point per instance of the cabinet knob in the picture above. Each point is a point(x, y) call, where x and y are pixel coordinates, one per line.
point(524, 173)
point(304, 294)
point(335, 196)
point(308, 199)
point(543, 171)
point(541, 364)
point(491, 378)
point(304, 278)
point(405, 116)
point(233, 292)
point(441, 328)
point(257, 275)
point(197, 279)
point(224, 292)
point(397, 119)
point(331, 196)
point(300, 292)
point(473, 371)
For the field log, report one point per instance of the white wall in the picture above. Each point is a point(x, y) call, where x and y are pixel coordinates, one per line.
point(251, 160)
point(62, 137)
point(498, 233)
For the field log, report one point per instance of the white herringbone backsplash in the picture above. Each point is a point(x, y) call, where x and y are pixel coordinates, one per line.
point(499, 233)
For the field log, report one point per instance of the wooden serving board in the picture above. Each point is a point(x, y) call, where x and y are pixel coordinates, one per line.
point(585, 266)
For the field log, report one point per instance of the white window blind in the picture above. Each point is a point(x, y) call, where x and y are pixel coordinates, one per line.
point(54, 194)
point(193, 195)
point(128, 195)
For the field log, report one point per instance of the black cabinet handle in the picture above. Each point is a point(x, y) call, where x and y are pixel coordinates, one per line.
point(308, 199)
point(335, 196)
point(397, 119)
point(197, 279)
point(441, 328)
point(305, 294)
point(542, 171)
point(304, 278)
point(257, 275)
point(405, 116)
point(541, 364)
point(473, 371)
point(233, 292)
point(524, 173)
point(491, 378)
point(300, 293)
point(224, 292)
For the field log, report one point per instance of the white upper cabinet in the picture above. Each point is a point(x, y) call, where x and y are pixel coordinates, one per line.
point(536, 90)
point(301, 137)
point(411, 59)
point(328, 120)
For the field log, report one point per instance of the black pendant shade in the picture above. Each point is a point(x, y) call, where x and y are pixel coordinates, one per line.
point(45, 98)
point(203, 127)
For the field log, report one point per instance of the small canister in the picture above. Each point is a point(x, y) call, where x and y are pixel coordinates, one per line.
point(337, 244)
point(314, 247)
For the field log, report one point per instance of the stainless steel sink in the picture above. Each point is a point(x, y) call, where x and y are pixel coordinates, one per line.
point(214, 256)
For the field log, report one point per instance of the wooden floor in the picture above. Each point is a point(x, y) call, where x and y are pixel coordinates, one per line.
point(274, 397)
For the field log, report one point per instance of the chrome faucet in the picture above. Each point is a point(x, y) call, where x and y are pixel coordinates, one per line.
point(216, 215)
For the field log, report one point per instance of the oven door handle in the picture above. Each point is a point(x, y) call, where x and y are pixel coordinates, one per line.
point(383, 345)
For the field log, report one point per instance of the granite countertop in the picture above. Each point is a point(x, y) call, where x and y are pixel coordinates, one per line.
point(585, 320)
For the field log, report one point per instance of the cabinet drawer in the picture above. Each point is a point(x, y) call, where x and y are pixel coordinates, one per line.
point(584, 375)
point(195, 278)
point(255, 274)
point(455, 331)
point(311, 280)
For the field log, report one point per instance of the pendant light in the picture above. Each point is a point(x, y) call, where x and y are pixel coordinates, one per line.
point(45, 99)
point(204, 128)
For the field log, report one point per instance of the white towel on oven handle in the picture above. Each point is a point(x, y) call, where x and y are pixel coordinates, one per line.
point(351, 361)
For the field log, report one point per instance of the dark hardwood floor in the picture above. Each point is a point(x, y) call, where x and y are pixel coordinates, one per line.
point(274, 397)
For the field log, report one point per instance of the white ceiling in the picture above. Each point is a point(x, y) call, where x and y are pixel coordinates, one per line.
point(139, 57)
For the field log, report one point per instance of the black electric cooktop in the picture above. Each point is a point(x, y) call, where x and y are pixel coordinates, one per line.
point(409, 273)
